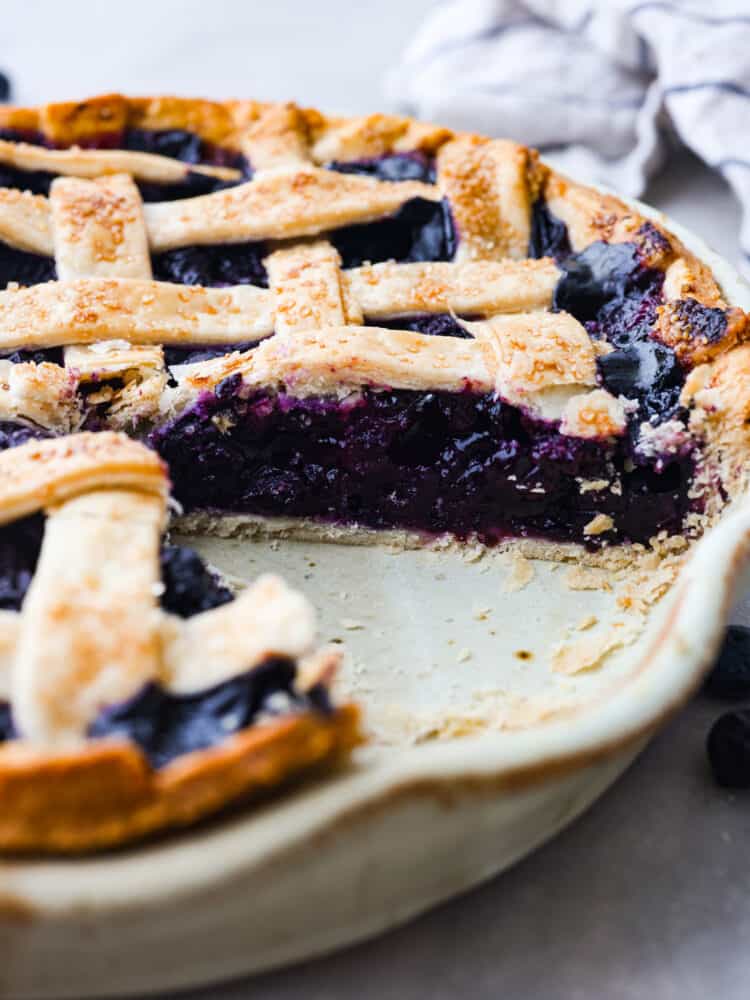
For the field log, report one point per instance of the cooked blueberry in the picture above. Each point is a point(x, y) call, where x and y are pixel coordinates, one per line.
point(4, 87)
point(430, 324)
point(189, 586)
point(437, 461)
point(29, 135)
point(652, 243)
point(218, 265)
point(395, 167)
point(193, 185)
point(7, 731)
point(600, 273)
point(421, 230)
point(177, 143)
point(730, 677)
point(647, 371)
point(701, 322)
point(166, 725)
point(12, 434)
point(36, 181)
point(44, 355)
point(24, 268)
point(20, 543)
point(184, 355)
point(549, 235)
point(181, 145)
point(728, 747)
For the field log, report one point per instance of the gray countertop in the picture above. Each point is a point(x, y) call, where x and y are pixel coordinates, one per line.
point(648, 895)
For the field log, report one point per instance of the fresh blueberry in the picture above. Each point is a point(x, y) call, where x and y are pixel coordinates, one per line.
point(728, 747)
point(730, 677)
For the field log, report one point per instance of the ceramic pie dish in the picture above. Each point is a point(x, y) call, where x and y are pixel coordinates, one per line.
point(491, 422)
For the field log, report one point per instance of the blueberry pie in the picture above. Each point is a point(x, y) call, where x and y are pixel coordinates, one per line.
point(357, 324)
point(343, 328)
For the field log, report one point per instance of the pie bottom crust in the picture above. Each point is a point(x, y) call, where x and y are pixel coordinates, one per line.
point(108, 794)
point(256, 527)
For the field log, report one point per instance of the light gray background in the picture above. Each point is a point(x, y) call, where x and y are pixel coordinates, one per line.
point(649, 894)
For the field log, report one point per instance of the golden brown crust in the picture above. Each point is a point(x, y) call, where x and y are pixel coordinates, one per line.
point(307, 285)
point(106, 794)
point(39, 474)
point(278, 205)
point(719, 396)
point(89, 633)
point(490, 185)
point(140, 312)
point(680, 328)
point(98, 228)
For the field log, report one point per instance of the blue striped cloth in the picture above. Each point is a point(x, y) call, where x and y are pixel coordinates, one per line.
point(605, 84)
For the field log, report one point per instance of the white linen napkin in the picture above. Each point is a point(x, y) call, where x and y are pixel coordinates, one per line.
point(609, 80)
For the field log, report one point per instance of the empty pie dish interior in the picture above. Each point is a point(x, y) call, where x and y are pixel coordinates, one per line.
point(254, 322)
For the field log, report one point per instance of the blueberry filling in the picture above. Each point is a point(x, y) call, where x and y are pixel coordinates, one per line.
point(430, 324)
point(218, 266)
point(28, 135)
point(7, 731)
point(189, 586)
point(36, 181)
point(394, 167)
point(43, 355)
point(652, 243)
point(421, 230)
point(166, 726)
point(181, 145)
point(549, 235)
point(12, 434)
point(430, 461)
point(24, 268)
point(703, 323)
point(20, 543)
point(609, 289)
point(191, 186)
point(604, 274)
point(183, 355)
